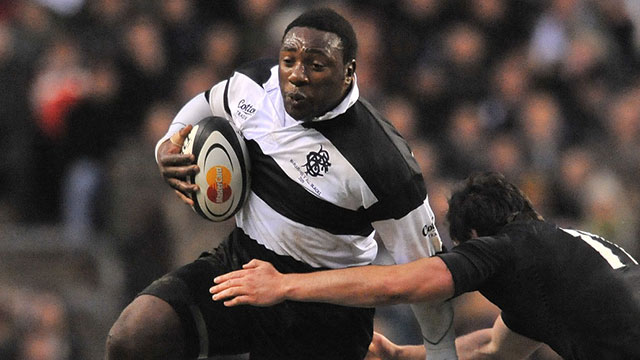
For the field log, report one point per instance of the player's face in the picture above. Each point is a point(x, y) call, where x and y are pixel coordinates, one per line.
point(313, 76)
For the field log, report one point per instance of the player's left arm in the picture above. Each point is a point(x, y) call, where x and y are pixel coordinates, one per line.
point(382, 348)
point(498, 342)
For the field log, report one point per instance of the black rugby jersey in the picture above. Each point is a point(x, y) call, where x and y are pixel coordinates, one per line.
point(570, 289)
point(321, 189)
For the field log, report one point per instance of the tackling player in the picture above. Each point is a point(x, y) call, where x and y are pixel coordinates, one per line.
point(570, 289)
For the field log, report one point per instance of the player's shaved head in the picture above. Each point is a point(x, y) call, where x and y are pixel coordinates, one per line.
point(328, 20)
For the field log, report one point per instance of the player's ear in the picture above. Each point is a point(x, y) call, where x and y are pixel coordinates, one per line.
point(474, 233)
point(349, 71)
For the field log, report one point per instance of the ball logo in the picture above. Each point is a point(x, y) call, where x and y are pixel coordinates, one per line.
point(219, 180)
point(222, 157)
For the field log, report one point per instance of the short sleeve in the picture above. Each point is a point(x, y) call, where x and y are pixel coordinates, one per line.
point(216, 99)
point(193, 111)
point(476, 261)
point(411, 237)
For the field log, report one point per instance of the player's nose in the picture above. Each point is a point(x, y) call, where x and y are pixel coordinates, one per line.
point(298, 75)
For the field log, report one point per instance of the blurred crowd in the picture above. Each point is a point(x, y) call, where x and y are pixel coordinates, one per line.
point(545, 91)
point(34, 325)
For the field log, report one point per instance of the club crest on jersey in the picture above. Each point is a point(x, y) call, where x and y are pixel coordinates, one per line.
point(317, 163)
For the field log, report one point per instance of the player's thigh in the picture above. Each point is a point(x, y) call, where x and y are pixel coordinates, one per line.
point(146, 325)
point(227, 329)
point(210, 327)
point(314, 331)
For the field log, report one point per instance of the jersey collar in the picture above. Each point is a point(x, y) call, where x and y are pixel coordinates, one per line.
point(345, 104)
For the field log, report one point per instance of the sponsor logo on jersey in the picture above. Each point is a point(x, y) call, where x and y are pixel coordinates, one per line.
point(218, 178)
point(245, 110)
point(427, 229)
point(317, 163)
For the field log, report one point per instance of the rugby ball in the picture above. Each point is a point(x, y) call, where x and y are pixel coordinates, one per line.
point(223, 159)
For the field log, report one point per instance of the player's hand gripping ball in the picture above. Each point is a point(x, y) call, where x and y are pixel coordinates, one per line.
point(222, 156)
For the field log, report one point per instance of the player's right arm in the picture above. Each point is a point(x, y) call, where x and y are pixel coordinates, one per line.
point(173, 165)
point(429, 279)
point(258, 283)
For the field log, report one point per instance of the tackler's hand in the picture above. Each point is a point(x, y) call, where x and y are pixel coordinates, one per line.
point(258, 283)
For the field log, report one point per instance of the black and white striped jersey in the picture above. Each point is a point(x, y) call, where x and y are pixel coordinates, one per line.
point(321, 189)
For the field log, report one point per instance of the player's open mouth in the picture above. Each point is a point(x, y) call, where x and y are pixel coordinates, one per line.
point(296, 98)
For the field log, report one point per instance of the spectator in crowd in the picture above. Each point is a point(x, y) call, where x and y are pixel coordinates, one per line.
point(59, 83)
point(16, 132)
point(138, 214)
point(144, 63)
point(91, 132)
point(465, 55)
point(620, 142)
point(505, 155)
point(509, 83)
point(402, 113)
point(465, 141)
point(608, 210)
point(179, 26)
point(220, 48)
point(568, 185)
point(541, 128)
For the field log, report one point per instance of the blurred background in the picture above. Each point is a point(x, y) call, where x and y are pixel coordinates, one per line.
point(545, 91)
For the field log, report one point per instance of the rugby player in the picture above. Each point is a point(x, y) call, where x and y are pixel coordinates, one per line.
point(317, 199)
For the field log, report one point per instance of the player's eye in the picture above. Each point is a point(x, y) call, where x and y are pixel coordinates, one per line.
point(288, 61)
point(318, 66)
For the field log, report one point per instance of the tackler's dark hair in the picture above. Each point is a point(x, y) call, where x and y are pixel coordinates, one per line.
point(326, 19)
point(486, 202)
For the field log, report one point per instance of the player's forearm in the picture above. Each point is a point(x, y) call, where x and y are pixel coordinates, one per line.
point(425, 280)
point(362, 286)
point(498, 342)
point(193, 111)
point(410, 352)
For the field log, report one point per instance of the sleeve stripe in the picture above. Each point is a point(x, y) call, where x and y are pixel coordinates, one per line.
point(226, 97)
